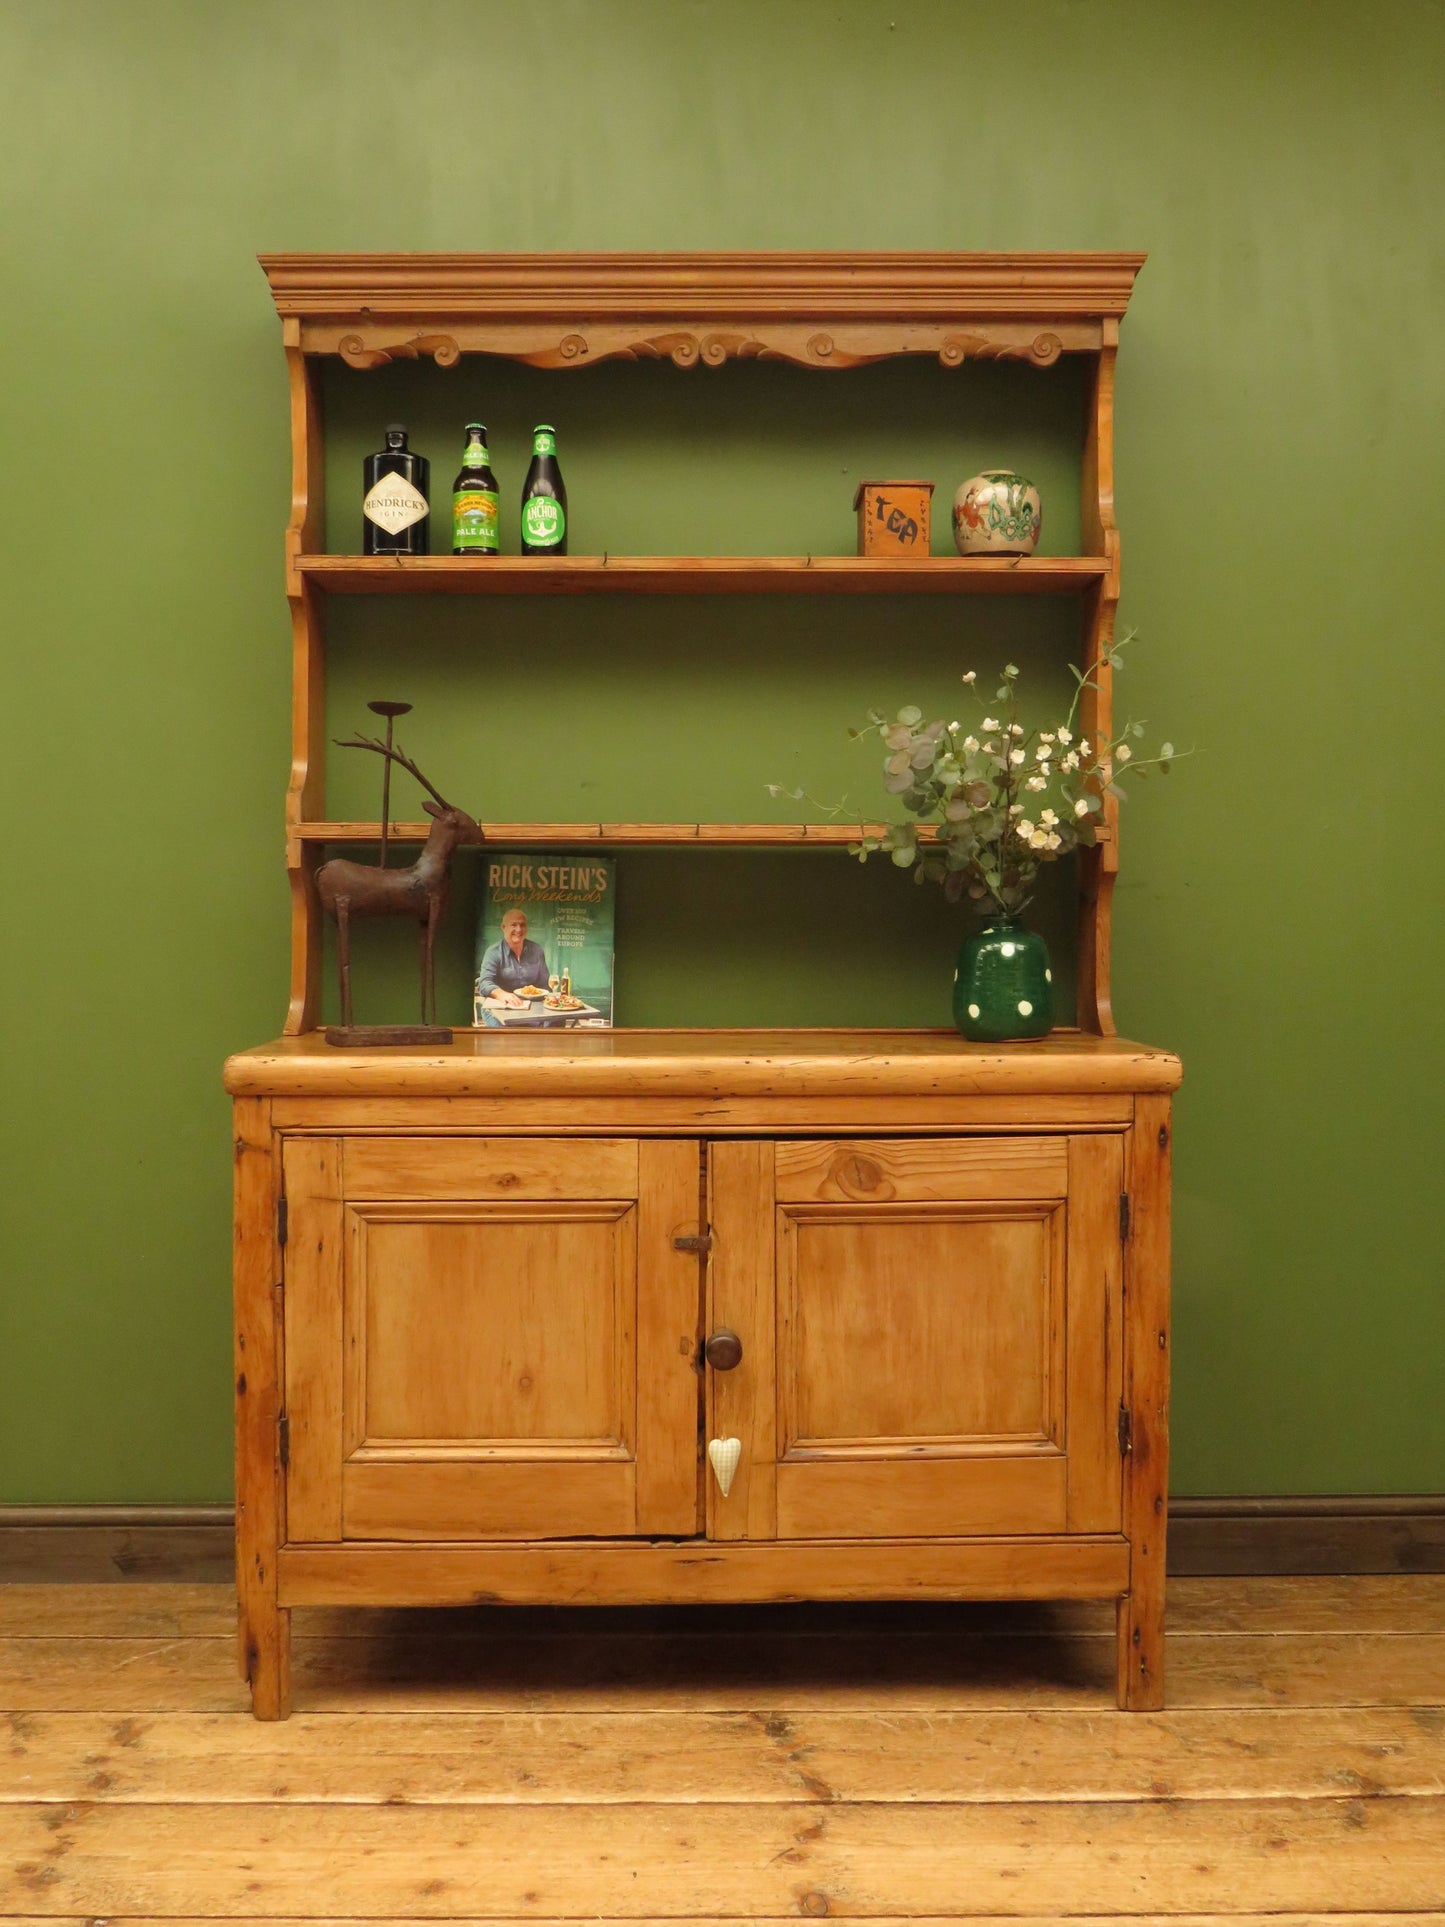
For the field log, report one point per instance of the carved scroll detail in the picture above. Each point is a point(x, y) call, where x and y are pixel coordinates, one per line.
point(357, 352)
point(1042, 351)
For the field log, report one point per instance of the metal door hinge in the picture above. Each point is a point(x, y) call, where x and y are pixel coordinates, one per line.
point(702, 1242)
point(283, 1439)
point(1126, 1431)
point(281, 1219)
point(1123, 1217)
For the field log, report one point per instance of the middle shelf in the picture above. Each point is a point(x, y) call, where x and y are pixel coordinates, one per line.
point(622, 836)
point(702, 574)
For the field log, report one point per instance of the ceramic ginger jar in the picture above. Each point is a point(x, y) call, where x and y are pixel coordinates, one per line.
point(997, 513)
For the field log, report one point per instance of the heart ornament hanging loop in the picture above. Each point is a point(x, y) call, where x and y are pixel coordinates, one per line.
point(723, 1456)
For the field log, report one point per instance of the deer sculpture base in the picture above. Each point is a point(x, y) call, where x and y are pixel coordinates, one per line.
point(384, 1036)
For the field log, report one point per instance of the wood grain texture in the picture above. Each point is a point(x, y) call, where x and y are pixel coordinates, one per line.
point(1095, 1350)
point(315, 1336)
point(879, 1171)
point(708, 1064)
point(398, 1670)
point(1146, 1396)
point(442, 1116)
point(1256, 1605)
point(645, 1860)
point(263, 1634)
point(670, 1287)
point(426, 1168)
point(685, 1758)
point(701, 575)
point(627, 283)
point(741, 1403)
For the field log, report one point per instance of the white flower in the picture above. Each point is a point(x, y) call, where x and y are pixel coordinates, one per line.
point(1066, 736)
point(1081, 808)
point(1015, 729)
point(970, 675)
point(1083, 745)
point(970, 743)
point(1048, 816)
point(1046, 735)
point(1025, 829)
point(1039, 840)
point(1036, 783)
point(1071, 761)
point(1123, 752)
point(989, 723)
point(1054, 839)
point(955, 725)
point(1015, 809)
point(1016, 756)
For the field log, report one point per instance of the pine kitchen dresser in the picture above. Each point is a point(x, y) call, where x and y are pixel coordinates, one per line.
point(495, 1300)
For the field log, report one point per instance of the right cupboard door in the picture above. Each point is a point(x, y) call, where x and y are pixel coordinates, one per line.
point(931, 1336)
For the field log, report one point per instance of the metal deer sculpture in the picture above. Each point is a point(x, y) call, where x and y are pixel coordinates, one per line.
point(348, 889)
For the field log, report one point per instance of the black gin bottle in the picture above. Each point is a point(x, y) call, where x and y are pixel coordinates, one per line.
point(395, 505)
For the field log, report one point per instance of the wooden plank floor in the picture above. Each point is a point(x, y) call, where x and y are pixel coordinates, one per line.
point(922, 1764)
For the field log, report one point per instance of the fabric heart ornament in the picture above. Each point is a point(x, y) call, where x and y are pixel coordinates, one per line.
point(723, 1456)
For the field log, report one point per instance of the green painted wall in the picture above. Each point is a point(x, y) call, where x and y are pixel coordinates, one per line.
point(1279, 491)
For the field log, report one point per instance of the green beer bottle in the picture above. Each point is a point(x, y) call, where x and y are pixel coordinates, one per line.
point(475, 521)
point(544, 499)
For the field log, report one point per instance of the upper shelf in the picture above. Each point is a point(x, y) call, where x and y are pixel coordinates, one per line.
point(816, 310)
point(701, 574)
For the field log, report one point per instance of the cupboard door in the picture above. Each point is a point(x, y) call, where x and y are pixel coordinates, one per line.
point(941, 1328)
point(490, 1338)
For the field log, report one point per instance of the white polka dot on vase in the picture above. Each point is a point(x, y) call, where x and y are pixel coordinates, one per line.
point(973, 1010)
point(955, 976)
point(1007, 949)
point(1048, 976)
point(1026, 1009)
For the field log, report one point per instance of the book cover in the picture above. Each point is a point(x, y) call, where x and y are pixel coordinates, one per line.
point(544, 941)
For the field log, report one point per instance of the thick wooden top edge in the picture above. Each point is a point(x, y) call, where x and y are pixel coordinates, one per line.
point(706, 1064)
point(858, 286)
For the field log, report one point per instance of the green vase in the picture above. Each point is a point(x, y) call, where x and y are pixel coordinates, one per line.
point(1003, 987)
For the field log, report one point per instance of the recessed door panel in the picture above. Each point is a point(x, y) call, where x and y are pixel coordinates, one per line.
point(940, 1327)
point(506, 1353)
point(492, 1326)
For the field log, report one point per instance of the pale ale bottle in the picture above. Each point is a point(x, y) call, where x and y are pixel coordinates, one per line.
point(474, 499)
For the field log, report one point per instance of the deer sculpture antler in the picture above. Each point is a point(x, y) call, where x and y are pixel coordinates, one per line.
point(395, 754)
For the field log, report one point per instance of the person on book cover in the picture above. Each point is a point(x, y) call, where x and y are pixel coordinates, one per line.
point(514, 962)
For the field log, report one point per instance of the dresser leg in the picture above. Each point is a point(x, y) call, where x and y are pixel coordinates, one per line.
point(266, 1640)
point(1139, 1678)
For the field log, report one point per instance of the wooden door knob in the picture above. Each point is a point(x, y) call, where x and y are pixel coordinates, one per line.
point(723, 1350)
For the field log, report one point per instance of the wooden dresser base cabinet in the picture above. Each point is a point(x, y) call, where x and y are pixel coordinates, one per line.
point(474, 1286)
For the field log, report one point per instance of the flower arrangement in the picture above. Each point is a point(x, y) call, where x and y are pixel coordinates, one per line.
point(993, 803)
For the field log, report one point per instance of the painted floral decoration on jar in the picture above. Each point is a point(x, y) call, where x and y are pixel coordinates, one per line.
point(997, 513)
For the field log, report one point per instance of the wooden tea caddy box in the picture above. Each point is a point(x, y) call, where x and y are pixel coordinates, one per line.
point(923, 1283)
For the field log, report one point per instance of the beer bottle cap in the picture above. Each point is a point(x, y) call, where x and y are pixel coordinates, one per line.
point(544, 428)
point(479, 429)
point(395, 434)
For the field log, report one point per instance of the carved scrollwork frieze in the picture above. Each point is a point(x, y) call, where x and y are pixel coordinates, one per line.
point(364, 351)
point(1043, 350)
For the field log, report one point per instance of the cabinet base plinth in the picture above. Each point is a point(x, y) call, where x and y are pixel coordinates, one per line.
point(602, 1572)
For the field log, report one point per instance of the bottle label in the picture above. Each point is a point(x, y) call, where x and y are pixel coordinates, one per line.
point(475, 521)
point(544, 443)
point(393, 504)
point(543, 523)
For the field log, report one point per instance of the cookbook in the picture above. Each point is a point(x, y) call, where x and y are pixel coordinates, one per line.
point(544, 955)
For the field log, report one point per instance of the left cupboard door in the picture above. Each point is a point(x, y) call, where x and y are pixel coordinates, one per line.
point(490, 1338)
